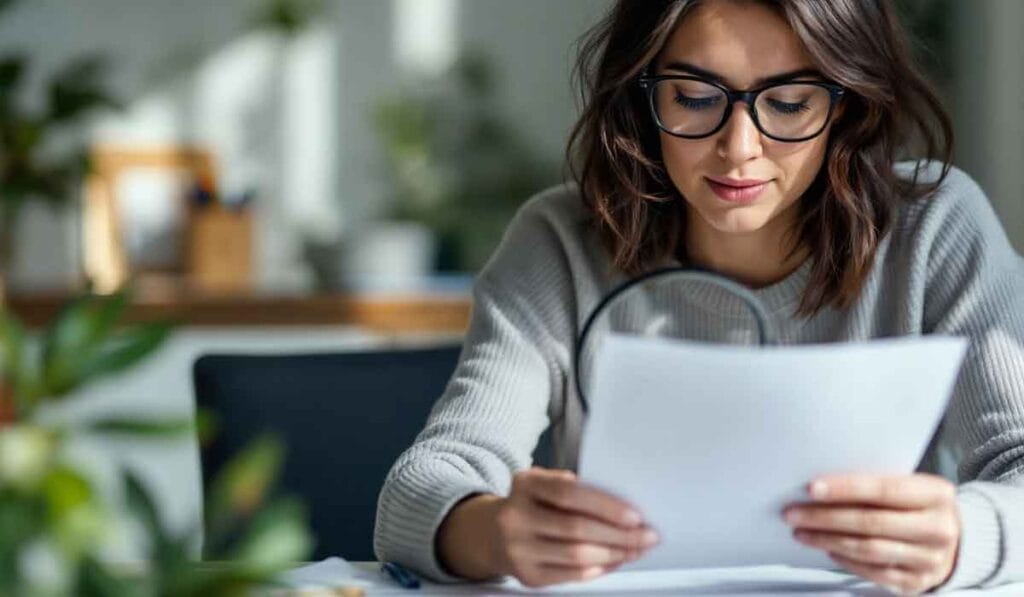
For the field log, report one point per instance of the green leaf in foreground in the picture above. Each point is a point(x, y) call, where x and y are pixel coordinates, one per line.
point(141, 428)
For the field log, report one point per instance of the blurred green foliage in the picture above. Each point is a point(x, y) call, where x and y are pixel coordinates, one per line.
point(288, 16)
point(53, 521)
point(31, 168)
point(455, 164)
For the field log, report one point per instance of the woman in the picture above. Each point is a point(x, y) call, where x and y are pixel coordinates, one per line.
point(757, 139)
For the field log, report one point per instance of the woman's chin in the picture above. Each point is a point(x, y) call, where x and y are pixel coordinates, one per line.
point(736, 223)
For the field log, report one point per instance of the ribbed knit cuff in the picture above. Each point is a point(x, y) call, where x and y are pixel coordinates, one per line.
point(412, 518)
point(980, 550)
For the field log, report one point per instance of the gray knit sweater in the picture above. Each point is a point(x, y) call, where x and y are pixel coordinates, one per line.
point(946, 267)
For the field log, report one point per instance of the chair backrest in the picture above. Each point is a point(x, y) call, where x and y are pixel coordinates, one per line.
point(344, 418)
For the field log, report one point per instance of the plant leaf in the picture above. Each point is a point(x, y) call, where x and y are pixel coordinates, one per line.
point(125, 350)
point(11, 70)
point(76, 518)
point(12, 343)
point(149, 428)
point(81, 326)
point(278, 538)
point(12, 365)
point(241, 489)
point(66, 490)
point(78, 88)
point(81, 345)
point(207, 426)
point(142, 506)
point(93, 580)
point(21, 519)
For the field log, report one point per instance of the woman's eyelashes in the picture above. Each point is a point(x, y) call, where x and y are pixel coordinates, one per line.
point(787, 107)
point(697, 103)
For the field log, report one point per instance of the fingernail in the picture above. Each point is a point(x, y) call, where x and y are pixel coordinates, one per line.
point(818, 490)
point(794, 516)
point(632, 518)
point(650, 537)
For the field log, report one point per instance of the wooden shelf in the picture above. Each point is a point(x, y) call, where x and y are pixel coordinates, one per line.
point(386, 313)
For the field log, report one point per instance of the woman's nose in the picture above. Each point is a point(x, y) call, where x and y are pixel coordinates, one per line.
point(740, 140)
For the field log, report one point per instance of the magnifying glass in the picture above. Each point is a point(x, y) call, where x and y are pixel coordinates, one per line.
point(671, 303)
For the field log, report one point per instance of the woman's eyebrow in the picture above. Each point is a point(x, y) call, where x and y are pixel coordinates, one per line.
point(712, 76)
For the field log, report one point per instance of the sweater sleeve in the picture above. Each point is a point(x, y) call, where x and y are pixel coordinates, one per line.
point(976, 289)
point(487, 423)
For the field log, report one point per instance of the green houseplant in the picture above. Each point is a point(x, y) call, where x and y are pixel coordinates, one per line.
point(32, 168)
point(455, 164)
point(52, 519)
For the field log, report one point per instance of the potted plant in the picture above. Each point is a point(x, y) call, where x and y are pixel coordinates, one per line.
point(32, 166)
point(455, 165)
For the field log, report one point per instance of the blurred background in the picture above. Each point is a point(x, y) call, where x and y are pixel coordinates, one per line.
point(352, 140)
point(303, 175)
point(343, 143)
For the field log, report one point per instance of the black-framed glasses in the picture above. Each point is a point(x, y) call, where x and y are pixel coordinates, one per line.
point(693, 108)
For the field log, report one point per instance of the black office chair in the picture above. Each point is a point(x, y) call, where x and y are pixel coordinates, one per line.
point(344, 418)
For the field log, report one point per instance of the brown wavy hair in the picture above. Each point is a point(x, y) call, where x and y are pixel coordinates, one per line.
point(615, 155)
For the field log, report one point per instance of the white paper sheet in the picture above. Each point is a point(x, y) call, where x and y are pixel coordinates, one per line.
point(710, 442)
point(329, 573)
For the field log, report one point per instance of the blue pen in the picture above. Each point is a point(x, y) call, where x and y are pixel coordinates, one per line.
point(405, 579)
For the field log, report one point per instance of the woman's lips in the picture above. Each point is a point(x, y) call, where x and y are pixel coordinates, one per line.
point(737, 191)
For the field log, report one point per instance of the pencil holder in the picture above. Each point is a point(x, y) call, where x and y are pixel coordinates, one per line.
point(220, 248)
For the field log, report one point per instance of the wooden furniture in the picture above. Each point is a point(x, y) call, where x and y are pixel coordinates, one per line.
point(383, 313)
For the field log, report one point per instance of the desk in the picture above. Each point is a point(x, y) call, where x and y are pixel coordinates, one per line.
point(760, 581)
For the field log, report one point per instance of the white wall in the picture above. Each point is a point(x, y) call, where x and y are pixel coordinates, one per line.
point(149, 38)
point(533, 45)
point(989, 103)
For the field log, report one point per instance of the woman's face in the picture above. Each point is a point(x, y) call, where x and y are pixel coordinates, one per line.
point(743, 43)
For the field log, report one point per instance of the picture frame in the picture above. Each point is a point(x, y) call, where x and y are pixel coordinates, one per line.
point(138, 210)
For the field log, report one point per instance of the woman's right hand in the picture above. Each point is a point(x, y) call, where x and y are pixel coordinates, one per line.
point(550, 529)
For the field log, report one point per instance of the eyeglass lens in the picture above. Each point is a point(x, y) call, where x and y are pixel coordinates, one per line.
point(695, 108)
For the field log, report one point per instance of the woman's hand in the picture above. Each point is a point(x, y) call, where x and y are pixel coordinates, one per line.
point(900, 532)
point(550, 529)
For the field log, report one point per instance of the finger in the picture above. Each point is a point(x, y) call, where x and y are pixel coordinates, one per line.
point(874, 551)
point(898, 492)
point(562, 491)
point(897, 580)
point(925, 526)
point(556, 524)
point(573, 555)
point(540, 576)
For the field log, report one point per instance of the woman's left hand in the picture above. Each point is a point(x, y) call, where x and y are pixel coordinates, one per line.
point(900, 532)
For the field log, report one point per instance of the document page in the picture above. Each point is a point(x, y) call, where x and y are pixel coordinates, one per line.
point(710, 442)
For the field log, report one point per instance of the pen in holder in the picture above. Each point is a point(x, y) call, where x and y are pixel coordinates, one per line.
point(672, 302)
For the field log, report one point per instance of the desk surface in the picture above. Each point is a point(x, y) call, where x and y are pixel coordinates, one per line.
point(753, 582)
